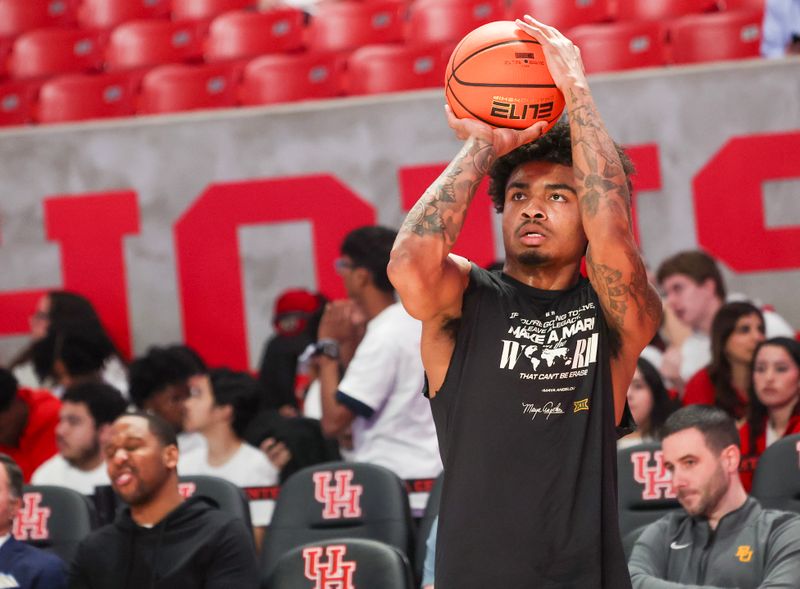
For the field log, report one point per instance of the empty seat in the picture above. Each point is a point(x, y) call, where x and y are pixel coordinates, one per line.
point(105, 14)
point(284, 78)
point(344, 26)
point(342, 563)
point(619, 46)
point(776, 483)
point(659, 9)
point(180, 87)
point(715, 37)
point(743, 4)
point(145, 43)
point(207, 9)
point(645, 487)
point(337, 499)
point(241, 34)
point(20, 16)
point(54, 518)
point(16, 102)
point(79, 97)
point(391, 68)
point(561, 14)
point(441, 21)
point(225, 494)
point(47, 52)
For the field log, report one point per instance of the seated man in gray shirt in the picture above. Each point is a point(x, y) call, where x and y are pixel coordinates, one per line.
point(722, 538)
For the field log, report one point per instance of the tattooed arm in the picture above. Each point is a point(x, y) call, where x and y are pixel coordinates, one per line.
point(429, 279)
point(615, 268)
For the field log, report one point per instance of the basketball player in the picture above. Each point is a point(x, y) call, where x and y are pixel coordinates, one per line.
point(528, 369)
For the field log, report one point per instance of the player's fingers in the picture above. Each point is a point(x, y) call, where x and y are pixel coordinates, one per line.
point(532, 133)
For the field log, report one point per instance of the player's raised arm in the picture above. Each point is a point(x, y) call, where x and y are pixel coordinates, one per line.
point(429, 280)
point(615, 267)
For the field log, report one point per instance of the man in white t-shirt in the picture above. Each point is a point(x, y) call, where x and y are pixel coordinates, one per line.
point(694, 290)
point(220, 406)
point(380, 394)
point(159, 384)
point(87, 411)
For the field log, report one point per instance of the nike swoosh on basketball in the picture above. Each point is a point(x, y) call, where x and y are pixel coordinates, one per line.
point(676, 546)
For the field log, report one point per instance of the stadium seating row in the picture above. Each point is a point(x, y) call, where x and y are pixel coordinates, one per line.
point(20, 16)
point(233, 78)
point(329, 504)
point(267, 79)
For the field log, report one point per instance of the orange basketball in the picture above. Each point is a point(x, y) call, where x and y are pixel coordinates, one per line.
point(497, 74)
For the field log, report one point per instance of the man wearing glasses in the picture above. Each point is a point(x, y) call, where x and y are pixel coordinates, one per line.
point(374, 385)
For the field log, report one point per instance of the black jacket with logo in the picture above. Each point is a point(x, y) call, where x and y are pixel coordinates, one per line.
point(195, 546)
point(751, 547)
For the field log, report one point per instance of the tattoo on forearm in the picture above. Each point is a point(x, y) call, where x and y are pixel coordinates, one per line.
point(612, 288)
point(443, 207)
point(596, 161)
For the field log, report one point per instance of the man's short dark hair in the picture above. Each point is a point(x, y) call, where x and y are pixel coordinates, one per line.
point(157, 426)
point(8, 388)
point(697, 265)
point(104, 402)
point(161, 367)
point(718, 428)
point(370, 248)
point(553, 147)
point(239, 390)
point(14, 472)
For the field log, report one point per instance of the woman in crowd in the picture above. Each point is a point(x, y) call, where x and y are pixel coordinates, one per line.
point(735, 332)
point(62, 316)
point(650, 405)
point(774, 408)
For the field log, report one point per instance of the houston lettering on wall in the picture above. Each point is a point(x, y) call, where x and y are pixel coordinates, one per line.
point(186, 228)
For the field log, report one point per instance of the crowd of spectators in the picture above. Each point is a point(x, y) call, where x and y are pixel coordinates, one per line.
point(338, 379)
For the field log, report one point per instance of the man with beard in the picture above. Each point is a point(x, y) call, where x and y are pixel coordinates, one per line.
point(161, 540)
point(87, 411)
point(528, 368)
point(723, 538)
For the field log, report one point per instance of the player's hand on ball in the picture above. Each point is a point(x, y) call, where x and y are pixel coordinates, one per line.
point(563, 57)
point(503, 140)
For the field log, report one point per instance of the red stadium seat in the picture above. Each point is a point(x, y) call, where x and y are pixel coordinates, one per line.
point(286, 78)
point(46, 52)
point(659, 9)
point(146, 43)
point(619, 46)
point(240, 34)
point(714, 37)
point(79, 97)
point(347, 25)
point(442, 21)
point(179, 87)
point(206, 9)
point(561, 14)
point(105, 14)
point(743, 4)
point(20, 16)
point(391, 68)
point(16, 102)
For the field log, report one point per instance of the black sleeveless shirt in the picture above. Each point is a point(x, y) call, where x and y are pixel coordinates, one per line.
point(526, 428)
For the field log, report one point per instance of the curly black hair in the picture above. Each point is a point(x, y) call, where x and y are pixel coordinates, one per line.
point(554, 147)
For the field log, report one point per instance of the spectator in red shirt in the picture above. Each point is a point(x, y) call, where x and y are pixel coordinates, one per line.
point(735, 332)
point(28, 420)
point(774, 407)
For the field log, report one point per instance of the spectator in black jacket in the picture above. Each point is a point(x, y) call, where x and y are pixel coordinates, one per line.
point(161, 540)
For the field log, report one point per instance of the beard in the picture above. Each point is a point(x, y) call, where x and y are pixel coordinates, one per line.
point(533, 258)
point(84, 456)
point(711, 495)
